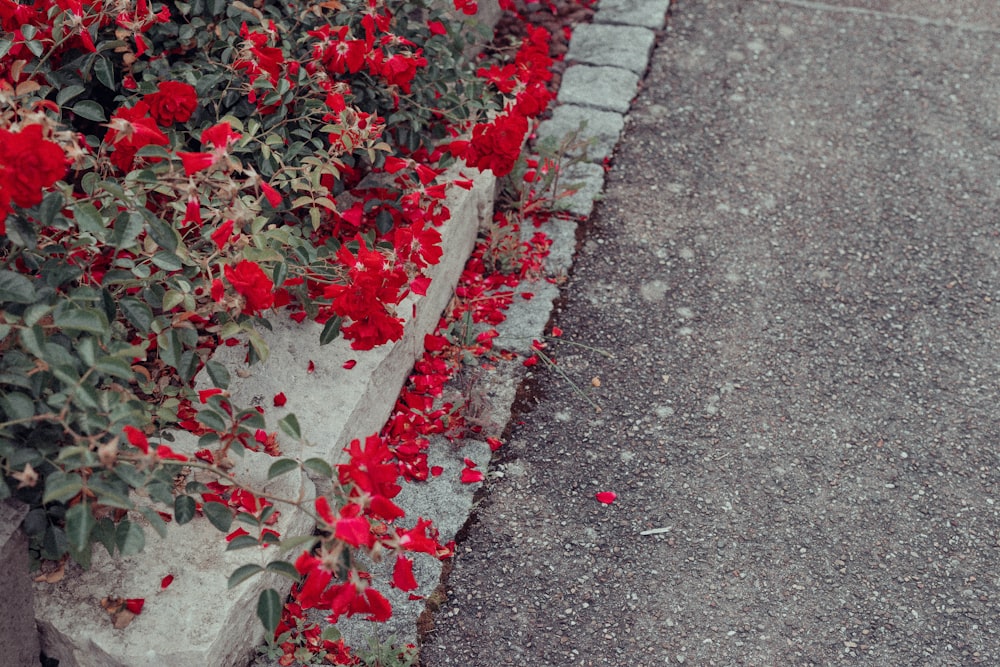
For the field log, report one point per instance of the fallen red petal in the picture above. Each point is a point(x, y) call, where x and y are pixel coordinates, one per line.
point(350, 363)
point(166, 581)
point(134, 605)
point(471, 476)
point(280, 399)
point(606, 497)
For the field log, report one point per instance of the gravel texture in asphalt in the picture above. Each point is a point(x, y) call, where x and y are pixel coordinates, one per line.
point(795, 267)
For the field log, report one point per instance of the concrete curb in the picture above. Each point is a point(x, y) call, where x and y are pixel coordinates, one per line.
point(609, 57)
point(218, 625)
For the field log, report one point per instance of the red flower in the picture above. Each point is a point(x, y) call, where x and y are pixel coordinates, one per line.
point(467, 7)
point(129, 130)
point(137, 438)
point(220, 135)
point(373, 287)
point(272, 195)
point(496, 146)
point(29, 163)
point(402, 574)
point(400, 70)
point(280, 399)
point(324, 511)
point(173, 102)
point(195, 162)
point(248, 279)
point(222, 234)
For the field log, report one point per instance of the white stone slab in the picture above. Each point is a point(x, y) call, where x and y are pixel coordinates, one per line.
point(196, 621)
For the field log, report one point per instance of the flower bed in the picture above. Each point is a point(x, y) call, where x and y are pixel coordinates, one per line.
point(174, 174)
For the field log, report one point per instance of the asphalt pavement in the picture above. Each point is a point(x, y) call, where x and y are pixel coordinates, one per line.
point(795, 266)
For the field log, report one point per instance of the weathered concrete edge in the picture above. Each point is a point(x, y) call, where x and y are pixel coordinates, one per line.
point(218, 625)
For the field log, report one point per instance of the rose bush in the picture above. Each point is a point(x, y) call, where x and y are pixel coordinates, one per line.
point(170, 173)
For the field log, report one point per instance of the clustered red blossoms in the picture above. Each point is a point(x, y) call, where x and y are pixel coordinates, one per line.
point(163, 198)
point(367, 518)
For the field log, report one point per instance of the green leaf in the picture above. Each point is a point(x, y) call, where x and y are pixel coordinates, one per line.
point(128, 225)
point(16, 288)
point(184, 509)
point(242, 573)
point(16, 405)
point(50, 207)
point(172, 299)
point(80, 523)
point(289, 425)
point(304, 541)
point(69, 92)
point(129, 474)
point(218, 373)
point(129, 538)
point(285, 569)
point(89, 110)
point(196, 487)
point(104, 532)
point(319, 465)
point(258, 346)
point(168, 345)
point(136, 312)
point(218, 515)
point(155, 520)
point(115, 366)
point(61, 486)
point(54, 543)
point(89, 219)
point(90, 320)
point(167, 261)
point(212, 419)
point(330, 330)
point(109, 494)
point(105, 72)
point(33, 340)
point(242, 542)
point(165, 236)
point(269, 610)
point(280, 467)
point(36, 47)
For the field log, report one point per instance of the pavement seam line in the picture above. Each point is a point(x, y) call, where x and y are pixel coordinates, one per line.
point(920, 20)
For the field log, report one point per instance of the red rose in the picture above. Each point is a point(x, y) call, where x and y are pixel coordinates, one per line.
point(497, 146)
point(174, 102)
point(249, 279)
point(30, 164)
point(131, 129)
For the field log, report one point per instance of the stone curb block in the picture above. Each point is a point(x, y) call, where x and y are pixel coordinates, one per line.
point(600, 129)
point(196, 621)
point(644, 13)
point(588, 179)
point(608, 88)
point(627, 47)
